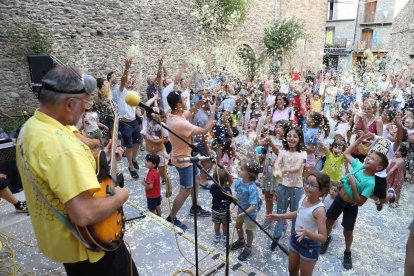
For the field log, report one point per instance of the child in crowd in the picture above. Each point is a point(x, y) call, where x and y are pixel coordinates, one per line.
point(334, 160)
point(395, 174)
point(310, 229)
point(92, 125)
point(289, 165)
point(246, 191)
point(270, 181)
point(316, 103)
point(229, 154)
point(152, 184)
point(219, 203)
point(313, 122)
point(358, 187)
point(333, 193)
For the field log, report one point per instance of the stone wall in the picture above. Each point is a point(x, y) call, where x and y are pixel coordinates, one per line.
point(95, 35)
point(402, 36)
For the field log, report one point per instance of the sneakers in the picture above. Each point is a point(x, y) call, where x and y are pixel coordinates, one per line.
point(274, 244)
point(21, 207)
point(379, 205)
point(246, 253)
point(393, 195)
point(324, 246)
point(177, 223)
point(347, 263)
point(216, 238)
point(200, 212)
point(224, 238)
point(238, 244)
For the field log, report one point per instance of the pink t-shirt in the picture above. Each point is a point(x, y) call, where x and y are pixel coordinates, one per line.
point(180, 125)
point(278, 115)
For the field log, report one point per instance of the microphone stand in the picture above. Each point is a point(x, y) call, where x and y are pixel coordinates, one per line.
point(230, 200)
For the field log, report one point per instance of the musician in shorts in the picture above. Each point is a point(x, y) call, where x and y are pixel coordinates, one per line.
point(59, 171)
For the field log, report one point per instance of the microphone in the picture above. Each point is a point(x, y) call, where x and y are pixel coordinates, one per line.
point(195, 159)
point(134, 100)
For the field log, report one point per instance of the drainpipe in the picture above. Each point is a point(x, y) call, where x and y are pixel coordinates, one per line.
point(356, 24)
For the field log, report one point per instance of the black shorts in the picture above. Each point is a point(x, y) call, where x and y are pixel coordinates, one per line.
point(130, 132)
point(116, 262)
point(152, 203)
point(380, 189)
point(350, 211)
point(3, 184)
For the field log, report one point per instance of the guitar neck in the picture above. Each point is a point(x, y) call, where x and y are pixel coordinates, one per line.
point(114, 145)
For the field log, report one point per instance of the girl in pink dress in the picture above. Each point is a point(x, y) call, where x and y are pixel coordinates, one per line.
point(395, 174)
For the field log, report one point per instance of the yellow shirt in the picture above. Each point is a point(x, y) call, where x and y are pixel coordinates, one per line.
point(62, 167)
point(333, 166)
point(316, 105)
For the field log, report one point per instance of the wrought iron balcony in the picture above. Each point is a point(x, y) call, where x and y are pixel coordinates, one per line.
point(337, 43)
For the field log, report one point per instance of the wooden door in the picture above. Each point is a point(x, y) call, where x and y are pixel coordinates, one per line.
point(370, 10)
point(366, 37)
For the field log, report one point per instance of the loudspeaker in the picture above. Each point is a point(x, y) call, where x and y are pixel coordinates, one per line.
point(39, 66)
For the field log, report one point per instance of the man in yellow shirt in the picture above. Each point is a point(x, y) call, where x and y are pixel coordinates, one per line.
point(62, 167)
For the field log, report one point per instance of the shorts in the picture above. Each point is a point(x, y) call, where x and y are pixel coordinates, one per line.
point(350, 211)
point(248, 223)
point(130, 132)
point(152, 203)
point(219, 217)
point(307, 249)
point(380, 189)
point(3, 184)
point(186, 176)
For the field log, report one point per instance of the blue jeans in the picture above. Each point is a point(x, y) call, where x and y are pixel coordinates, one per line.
point(186, 176)
point(286, 197)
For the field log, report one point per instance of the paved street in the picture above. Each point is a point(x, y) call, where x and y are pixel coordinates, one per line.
point(379, 242)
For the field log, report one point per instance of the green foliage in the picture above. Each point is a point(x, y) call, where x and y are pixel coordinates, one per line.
point(220, 15)
point(27, 39)
point(283, 36)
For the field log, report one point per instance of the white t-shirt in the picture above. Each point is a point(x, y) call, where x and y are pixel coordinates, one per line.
point(167, 90)
point(126, 111)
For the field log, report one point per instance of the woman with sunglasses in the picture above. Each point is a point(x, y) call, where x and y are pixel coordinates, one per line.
point(310, 229)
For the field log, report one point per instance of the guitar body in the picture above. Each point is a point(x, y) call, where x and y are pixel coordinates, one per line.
point(106, 235)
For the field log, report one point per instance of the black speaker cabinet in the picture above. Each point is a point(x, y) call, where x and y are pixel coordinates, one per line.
point(39, 66)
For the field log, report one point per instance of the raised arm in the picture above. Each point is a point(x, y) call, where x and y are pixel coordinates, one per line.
point(352, 147)
point(124, 78)
point(158, 79)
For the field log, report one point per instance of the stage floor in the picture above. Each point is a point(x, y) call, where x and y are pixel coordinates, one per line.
point(379, 242)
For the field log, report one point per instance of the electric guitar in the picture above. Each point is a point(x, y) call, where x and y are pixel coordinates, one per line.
point(107, 234)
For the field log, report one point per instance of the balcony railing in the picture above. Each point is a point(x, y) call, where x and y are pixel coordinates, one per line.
point(337, 43)
point(364, 45)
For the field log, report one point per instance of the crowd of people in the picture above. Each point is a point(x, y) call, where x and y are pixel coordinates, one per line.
point(313, 144)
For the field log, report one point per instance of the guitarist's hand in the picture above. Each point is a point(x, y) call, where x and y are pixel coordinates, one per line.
point(122, 193)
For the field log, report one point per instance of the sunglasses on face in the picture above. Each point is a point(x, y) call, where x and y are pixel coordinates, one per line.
point(310, 185)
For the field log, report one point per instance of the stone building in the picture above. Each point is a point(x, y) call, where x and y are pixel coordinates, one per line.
point(95, 35)
point(402, 36)
point(374, 23)
point(340, 34)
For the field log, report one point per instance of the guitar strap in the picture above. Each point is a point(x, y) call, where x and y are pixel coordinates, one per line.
point(64, 220)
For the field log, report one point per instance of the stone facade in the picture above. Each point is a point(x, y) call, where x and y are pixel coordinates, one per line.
point(402, 35)
point(95, 34)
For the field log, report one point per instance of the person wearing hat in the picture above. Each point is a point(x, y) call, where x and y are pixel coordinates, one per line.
point(58, 170)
